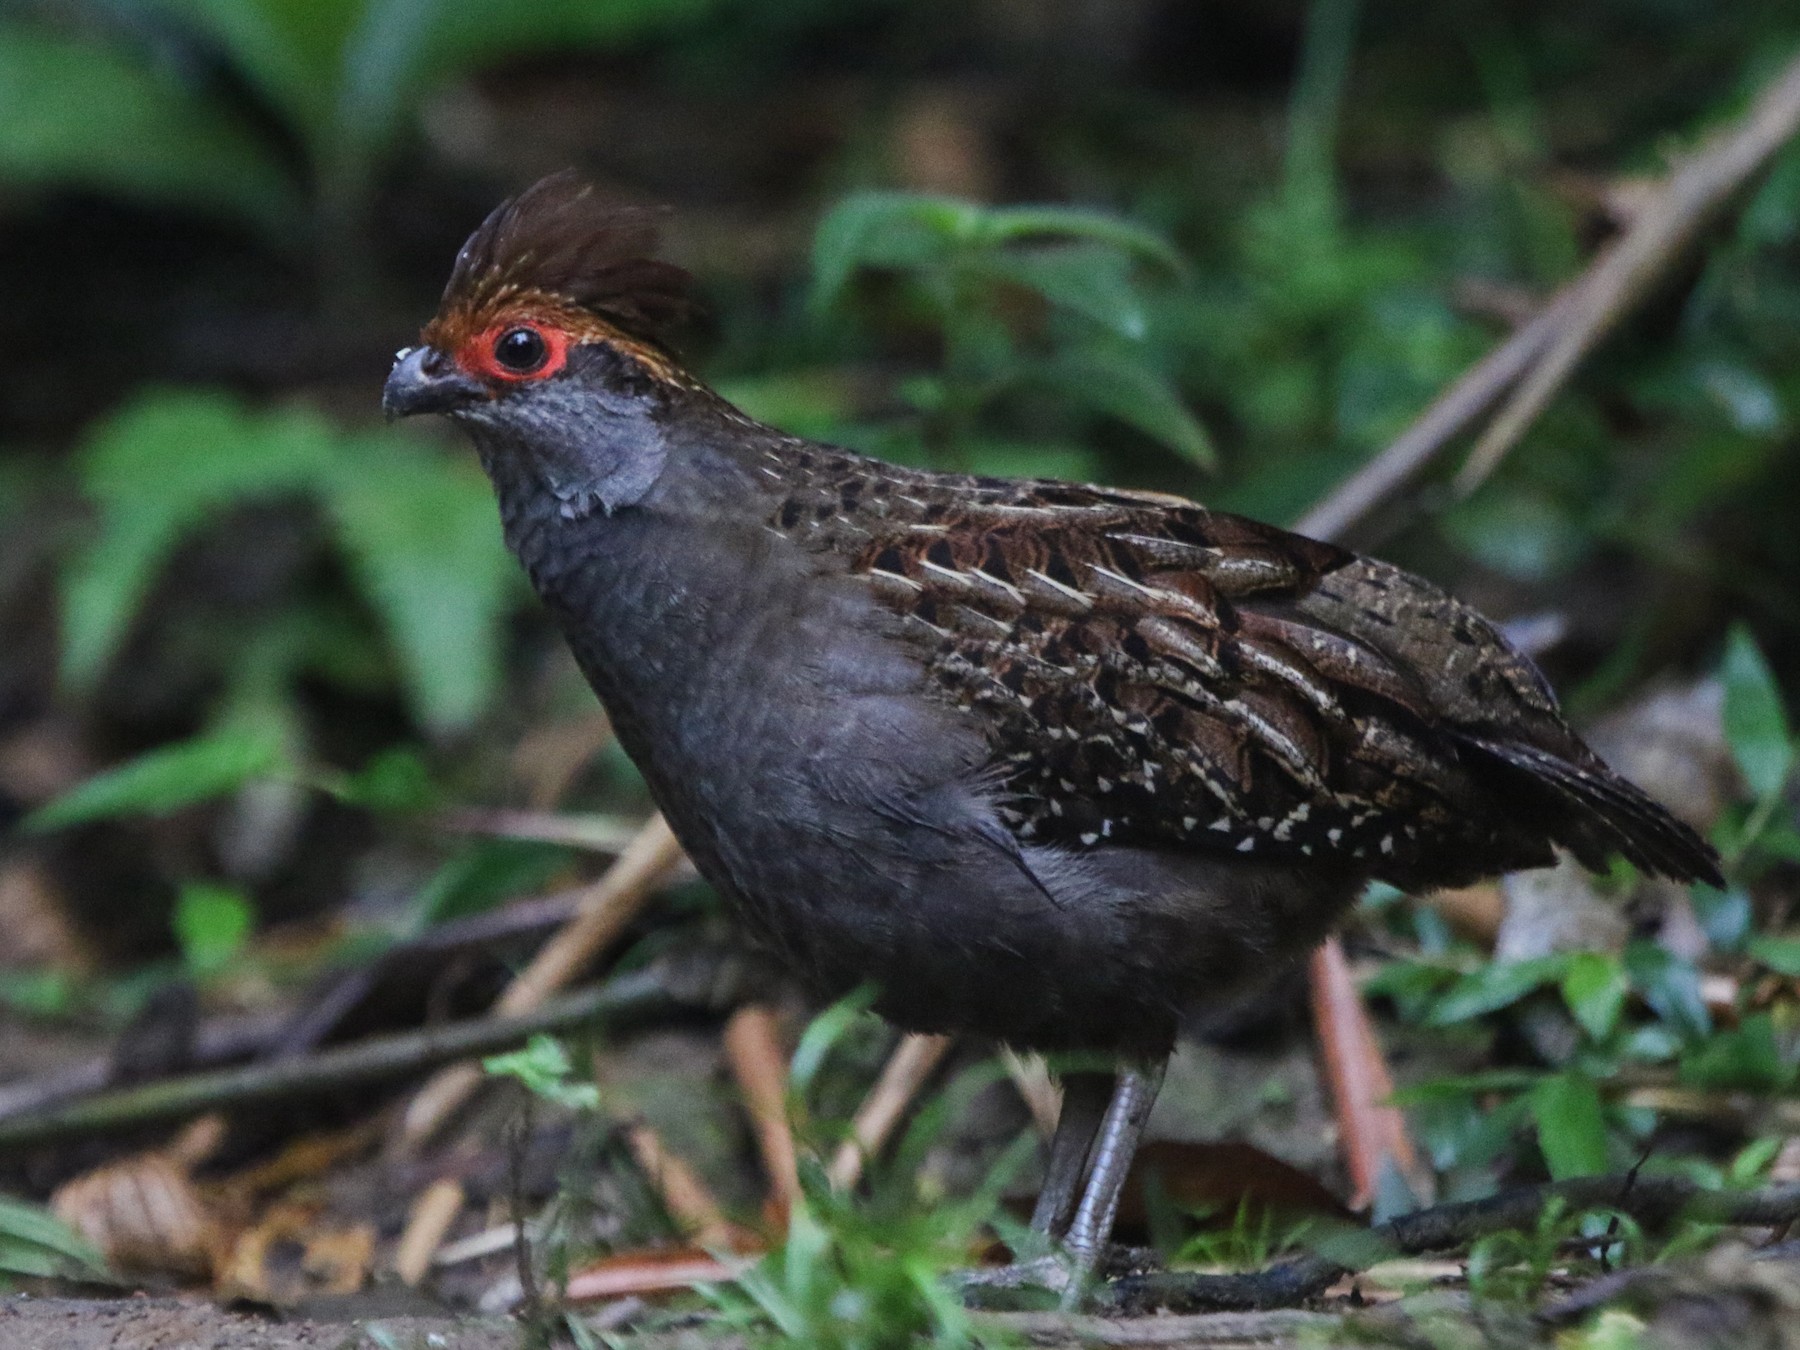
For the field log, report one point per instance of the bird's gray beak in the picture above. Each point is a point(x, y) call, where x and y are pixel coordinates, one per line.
point(423, 381)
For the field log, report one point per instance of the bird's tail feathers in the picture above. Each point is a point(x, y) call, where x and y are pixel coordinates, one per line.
point(1606, 814)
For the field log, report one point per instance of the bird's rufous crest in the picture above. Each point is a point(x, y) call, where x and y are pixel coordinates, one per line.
point(559, 257)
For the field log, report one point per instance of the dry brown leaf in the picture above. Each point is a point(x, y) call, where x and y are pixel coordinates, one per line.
point(1373, 1132)
point(35, 919)
point(145, 1215)
point(289, 1256)
point(1475, 912)
point(305, 1159)
point(1218, 1177)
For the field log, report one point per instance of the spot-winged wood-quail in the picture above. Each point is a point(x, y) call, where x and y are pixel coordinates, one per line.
point(1051, 763)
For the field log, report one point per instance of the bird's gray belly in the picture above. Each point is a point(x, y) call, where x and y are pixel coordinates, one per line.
point(1104, 949)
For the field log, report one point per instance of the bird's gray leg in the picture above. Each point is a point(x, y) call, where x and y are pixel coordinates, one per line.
point(1083, 1105)
point(1109, 1161)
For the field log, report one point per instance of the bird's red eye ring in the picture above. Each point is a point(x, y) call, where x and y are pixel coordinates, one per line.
point(521, 351)
point(515, 351)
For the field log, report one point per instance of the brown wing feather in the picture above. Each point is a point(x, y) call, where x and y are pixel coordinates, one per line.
point(1154, 672)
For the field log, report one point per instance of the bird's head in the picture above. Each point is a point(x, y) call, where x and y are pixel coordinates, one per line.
point(548, 346)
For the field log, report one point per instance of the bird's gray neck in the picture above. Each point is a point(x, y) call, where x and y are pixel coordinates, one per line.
point(648, 590)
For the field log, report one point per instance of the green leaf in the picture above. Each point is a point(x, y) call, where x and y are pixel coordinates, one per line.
point(1571, 1126)
point(1756, 727)
point(400, 48)
point(167, 778)
point(424, 546)
point(394, 780)
point(1745, 1057)
point(290, 53)
point(212, 924)
point(1594, 987)
point(888, 230)
point(1524, 535)
point(1414, 986)
point(1037, 459)
point(1008, 223)
point(157, 469)
point(1090, 280)
point(545, 1069)
point(483, 874)
point(1117, 382)
point(65, 101)
point(1779, 954)
point(1496, 985)
point(822, 1035)
point(1725, 916)
point(1669, 985)
point(35, 1242)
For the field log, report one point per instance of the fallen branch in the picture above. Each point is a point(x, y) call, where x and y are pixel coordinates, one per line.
point(1654, 1202)
point(656, 991)
point(1053, 1331)
point(225, 1041)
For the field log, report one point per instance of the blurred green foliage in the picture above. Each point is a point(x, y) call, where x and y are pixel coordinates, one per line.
point(344, 78)
point(962, 265)
point(1629, 1013)
point(418, 534)
point(33, 1242)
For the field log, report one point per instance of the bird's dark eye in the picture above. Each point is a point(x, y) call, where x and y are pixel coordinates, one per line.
point(520, 350)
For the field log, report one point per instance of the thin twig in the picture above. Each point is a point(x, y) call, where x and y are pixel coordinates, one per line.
point(913, 1062)
point(598, 834)
point(1655, 1202)
point(753, 1049)
point(1540, 355)
point(1626, 271)
point(685, 1197)
point(1036, 1088)
point(428, 1222)
point(1450, 414)
point(531, 1299)
point(611, 903)
point(649, 1273)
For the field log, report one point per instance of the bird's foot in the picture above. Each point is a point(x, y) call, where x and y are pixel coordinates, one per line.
point(1056, 1279)
point(1039, 1282)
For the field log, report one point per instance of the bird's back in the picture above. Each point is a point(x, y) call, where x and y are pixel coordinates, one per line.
point(1152, 673)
